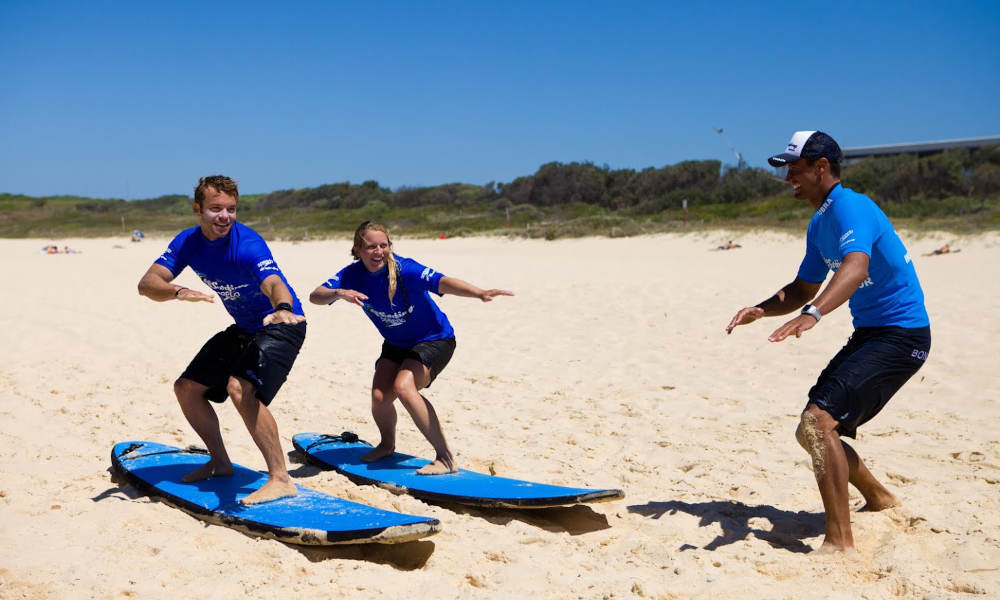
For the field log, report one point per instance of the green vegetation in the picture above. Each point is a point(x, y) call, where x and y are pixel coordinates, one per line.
point(956, 190)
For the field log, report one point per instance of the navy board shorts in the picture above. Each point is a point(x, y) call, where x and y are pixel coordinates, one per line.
point(433, 354)
point(868, 370)
point(264, 358)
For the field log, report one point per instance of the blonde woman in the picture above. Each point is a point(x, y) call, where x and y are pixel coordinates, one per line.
point(419, 341)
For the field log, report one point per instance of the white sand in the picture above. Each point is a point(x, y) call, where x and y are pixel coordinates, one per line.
point(609, 368)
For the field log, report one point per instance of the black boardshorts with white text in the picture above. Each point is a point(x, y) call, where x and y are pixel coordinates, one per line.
point(264, 358)
point(868, 370)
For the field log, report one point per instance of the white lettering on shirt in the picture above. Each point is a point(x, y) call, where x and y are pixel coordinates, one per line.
point(390, 319)
point(226, 291)
point(267, 265)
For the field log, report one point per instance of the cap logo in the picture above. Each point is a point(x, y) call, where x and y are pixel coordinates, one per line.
point(792, 147)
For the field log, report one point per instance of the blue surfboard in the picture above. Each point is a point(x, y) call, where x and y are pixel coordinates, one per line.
point(397, 473)
point(311, 518)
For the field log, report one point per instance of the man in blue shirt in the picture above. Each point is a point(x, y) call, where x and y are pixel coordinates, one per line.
point(851, 236)
point(250, 360)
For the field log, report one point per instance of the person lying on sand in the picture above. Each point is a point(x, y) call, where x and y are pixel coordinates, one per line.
point(946, 249)
point(727, 246)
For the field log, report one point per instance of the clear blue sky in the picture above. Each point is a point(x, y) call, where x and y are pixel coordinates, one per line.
point(139, 99)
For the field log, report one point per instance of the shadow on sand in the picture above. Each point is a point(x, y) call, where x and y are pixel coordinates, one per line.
point(788, 529)
point(407, 556)
point(574, 519)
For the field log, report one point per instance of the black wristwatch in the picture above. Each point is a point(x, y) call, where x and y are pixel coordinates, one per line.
point(283, 306)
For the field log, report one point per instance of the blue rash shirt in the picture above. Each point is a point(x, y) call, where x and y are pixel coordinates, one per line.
point(413, 317)
point(234, 266)
point(851, 222)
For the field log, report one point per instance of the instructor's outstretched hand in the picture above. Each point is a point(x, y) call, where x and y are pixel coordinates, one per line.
point(796, 327)
point(746, 315)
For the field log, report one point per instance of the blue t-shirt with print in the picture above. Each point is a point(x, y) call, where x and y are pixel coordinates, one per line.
point(234, 266)
point(851, 222)
point(412, 317)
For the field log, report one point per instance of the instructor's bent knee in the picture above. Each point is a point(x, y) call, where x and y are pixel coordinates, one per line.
point(800, 434)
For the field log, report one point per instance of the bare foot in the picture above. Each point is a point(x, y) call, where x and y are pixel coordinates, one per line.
point(377, 453)
point(829, 547)
point(207, 470)
point(438, 467)
point(882, 502)
point(272, 490)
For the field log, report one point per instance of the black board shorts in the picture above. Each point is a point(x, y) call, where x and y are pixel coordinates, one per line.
point(433, 354)
point(264, 358)
point(868, 370)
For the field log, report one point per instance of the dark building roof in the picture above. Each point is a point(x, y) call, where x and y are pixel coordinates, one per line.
point(919, 147)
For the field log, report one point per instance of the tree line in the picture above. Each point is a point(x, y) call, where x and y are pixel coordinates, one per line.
point(898, 179)
point(891, 179)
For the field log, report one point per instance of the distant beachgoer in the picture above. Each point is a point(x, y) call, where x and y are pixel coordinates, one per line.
point(395, 294)
point(946, 249)
point(68, 250)
point(250, 360)
point(137, 236)
point(727, 246)
point(50, 249)
point(850, 235)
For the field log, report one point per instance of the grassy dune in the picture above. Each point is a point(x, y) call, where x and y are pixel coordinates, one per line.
point(68, 216)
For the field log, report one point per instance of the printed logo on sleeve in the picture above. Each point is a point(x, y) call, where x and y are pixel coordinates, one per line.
point(427, 274)
point(267, 265)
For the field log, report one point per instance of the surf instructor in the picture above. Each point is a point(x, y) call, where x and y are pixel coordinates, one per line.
point(249, 361)
point(851, 236)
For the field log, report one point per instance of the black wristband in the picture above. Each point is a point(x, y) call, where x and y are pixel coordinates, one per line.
point(178, 291)
point(283, 306)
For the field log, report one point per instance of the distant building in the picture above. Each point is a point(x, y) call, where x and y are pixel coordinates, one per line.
point(918, 148)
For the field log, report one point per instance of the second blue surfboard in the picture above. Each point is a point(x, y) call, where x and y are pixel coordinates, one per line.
point(397, 473)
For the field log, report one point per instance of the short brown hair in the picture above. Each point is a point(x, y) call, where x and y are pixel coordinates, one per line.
point(219, 183)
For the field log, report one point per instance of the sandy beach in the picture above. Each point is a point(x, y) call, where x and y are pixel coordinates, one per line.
point(609, 368)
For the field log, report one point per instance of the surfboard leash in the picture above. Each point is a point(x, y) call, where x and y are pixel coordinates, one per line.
point(346, 437)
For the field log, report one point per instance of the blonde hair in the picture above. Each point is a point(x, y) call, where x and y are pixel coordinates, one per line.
point(359, 240)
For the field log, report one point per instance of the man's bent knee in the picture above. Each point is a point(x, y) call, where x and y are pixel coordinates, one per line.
point(241, 392)
point(185, 388)
point(800, 434)
point(814, 425)
point(235, 389)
